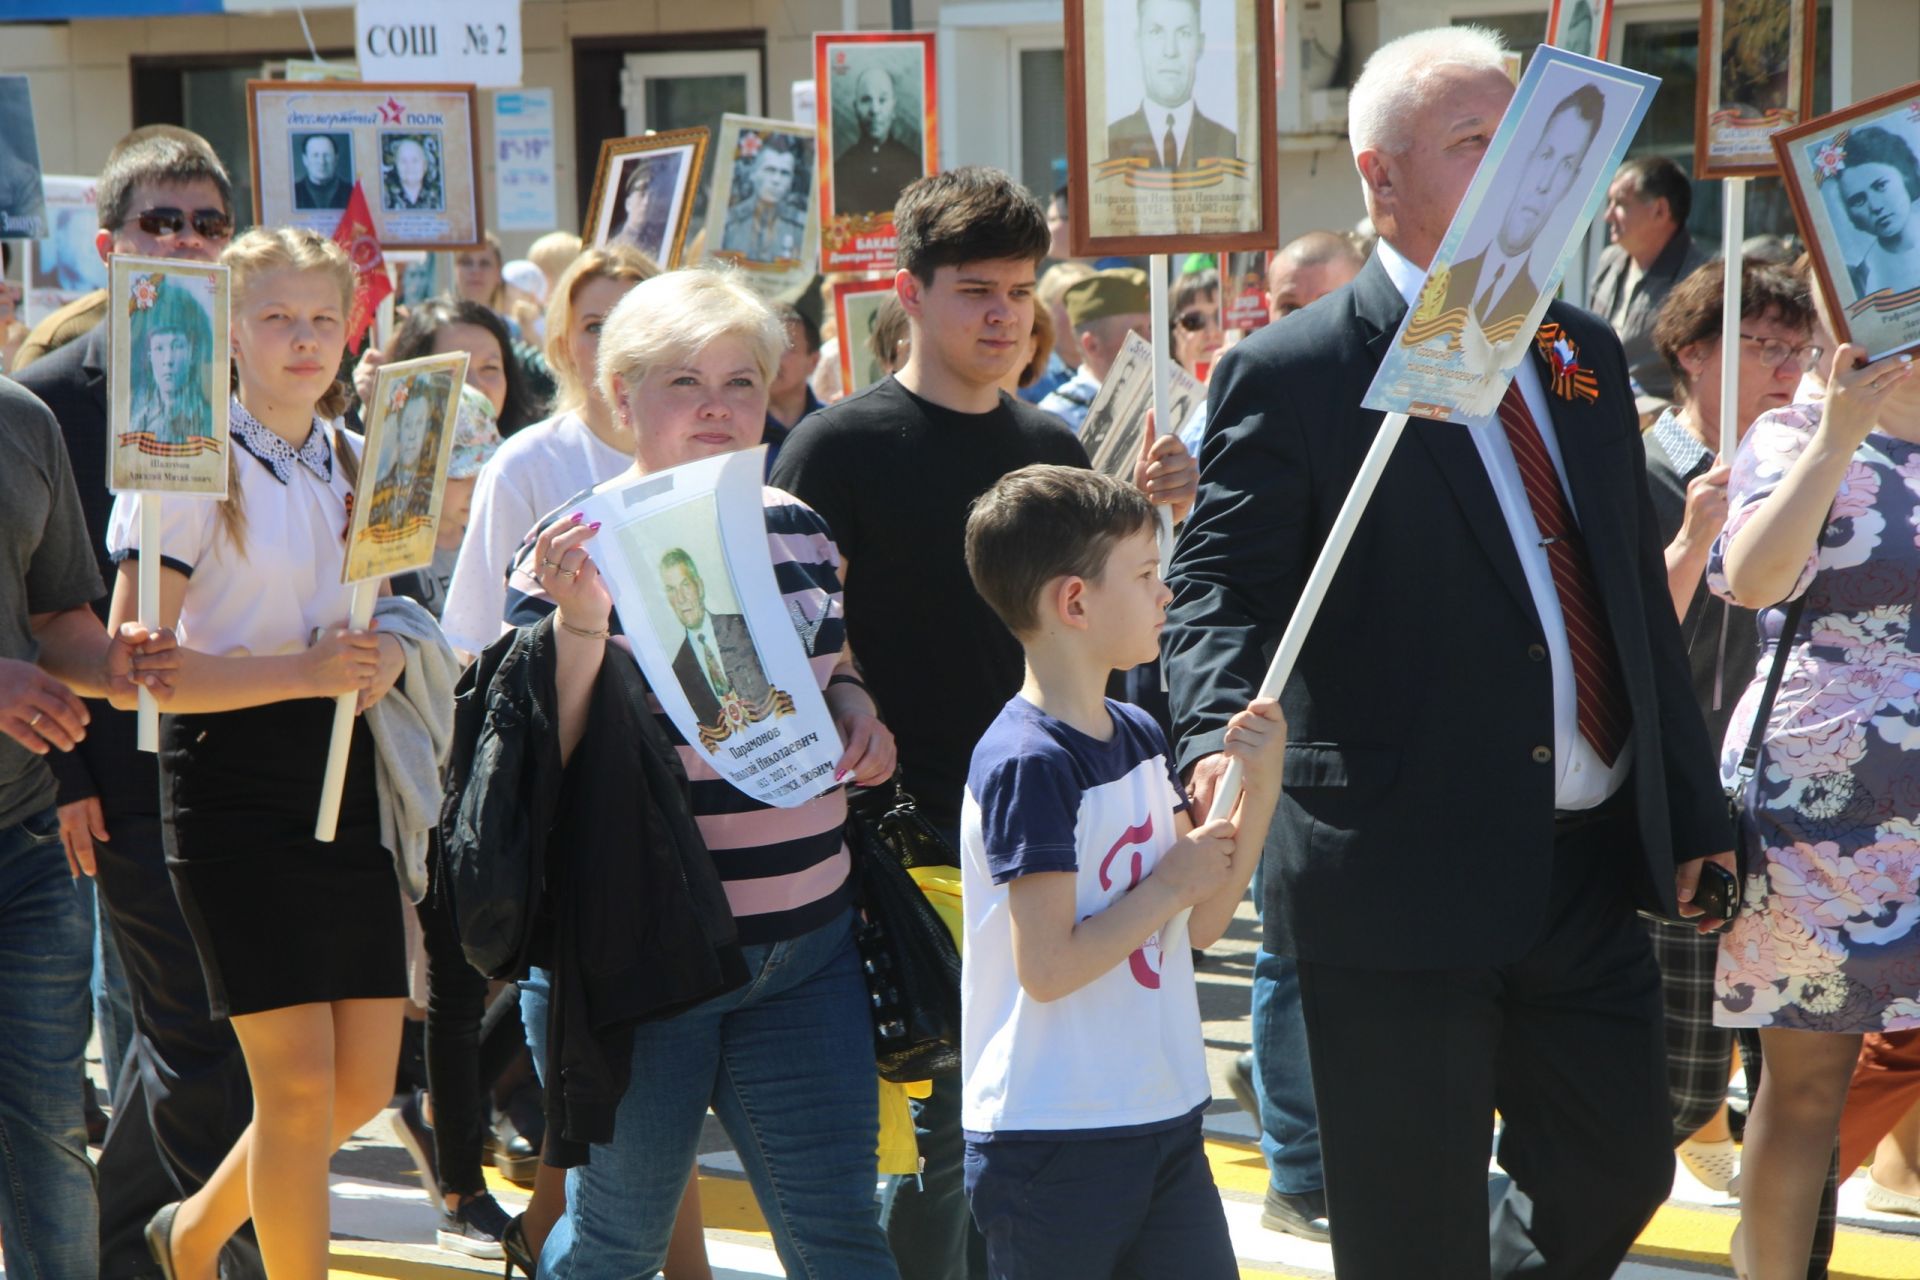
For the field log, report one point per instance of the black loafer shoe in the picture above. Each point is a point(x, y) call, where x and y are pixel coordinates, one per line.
point(1302, 1215)
point(1240, 1084)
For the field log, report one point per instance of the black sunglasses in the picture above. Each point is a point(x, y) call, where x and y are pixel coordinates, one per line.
point(209, 224)
point(1195, 321)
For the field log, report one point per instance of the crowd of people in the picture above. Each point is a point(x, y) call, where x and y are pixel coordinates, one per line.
point(1475, 822)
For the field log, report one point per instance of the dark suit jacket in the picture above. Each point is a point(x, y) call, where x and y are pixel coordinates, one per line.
point(1679, 259)
point(1417, 828)
point(306, 196)
point(73, 382)
point(1133, 136)
point(870, 179)
point(737, 658)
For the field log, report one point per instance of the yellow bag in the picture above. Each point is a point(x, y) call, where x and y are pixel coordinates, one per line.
point(942, 887)
point(899, 1149)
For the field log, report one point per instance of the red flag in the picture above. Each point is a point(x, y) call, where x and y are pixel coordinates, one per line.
point(355, 235)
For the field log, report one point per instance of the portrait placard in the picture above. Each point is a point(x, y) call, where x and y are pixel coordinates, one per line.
point(403, 468)
point(167, 377)
point(1854, 179)
point(879, 133)
point(1170, 126)
point(684, 554)
point(1117, 419)
point(1580, 26)
point(643, 192)
point(411, 147)
point(1525, 215)
point(63, 265)
point(1243, 291)
point(856, 305)
point(763, 215)
point(1756, 78)
point(22, 211)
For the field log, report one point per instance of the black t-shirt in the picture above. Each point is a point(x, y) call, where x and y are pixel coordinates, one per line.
point(894, 476)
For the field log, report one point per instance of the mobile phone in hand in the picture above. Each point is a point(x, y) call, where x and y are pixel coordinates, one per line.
point(1717, 895)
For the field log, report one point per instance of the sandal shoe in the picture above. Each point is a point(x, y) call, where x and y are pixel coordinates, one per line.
point(159, 1233)
point(1887, 1200)
point(513, 1247)
point(1713, 1163)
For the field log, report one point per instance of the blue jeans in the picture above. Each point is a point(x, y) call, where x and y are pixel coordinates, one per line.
point(48, 1213)
point(112, 1002)
point(786, 1062)
point(1289, 1122)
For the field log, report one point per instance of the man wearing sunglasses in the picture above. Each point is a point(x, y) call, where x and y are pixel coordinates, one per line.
point(184, 1098)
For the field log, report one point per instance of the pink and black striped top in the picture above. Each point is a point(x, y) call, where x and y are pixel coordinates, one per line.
point(785, 870)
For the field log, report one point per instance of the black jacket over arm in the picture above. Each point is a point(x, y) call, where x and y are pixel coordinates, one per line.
point(1417, 827)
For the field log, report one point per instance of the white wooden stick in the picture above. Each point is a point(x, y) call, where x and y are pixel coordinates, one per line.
point(147, 725)
point(1162, 376)
point(1294, 638)
point(1733, 232)
point(331, 788)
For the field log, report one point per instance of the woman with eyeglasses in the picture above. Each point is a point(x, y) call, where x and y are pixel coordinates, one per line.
point(1824, 508)
point(1688, 486)
point(1197, 335)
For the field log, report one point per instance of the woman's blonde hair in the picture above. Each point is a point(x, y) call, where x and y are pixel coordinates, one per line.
point(611, 262)
point(679, 313)
point(552, 253)
point(247, 259)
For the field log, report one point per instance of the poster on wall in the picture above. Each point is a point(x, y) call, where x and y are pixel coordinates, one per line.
point(1170, 138)
point(1756, 78)
point(411, 147)
point(876, 104)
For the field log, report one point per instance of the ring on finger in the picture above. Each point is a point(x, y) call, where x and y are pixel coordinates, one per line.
point(568, 574)
point(551, 564)
point(38, 716)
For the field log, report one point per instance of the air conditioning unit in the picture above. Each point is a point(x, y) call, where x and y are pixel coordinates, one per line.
point(1308, 37)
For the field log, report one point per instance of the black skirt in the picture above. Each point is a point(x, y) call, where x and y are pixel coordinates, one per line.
point(277, 917)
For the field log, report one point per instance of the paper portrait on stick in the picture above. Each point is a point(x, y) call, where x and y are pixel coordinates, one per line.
point(1170, 133)
point(22, 202)
point(167, 377)
point(63, 266)
point(403, 468)
point(1116, 424)
point(878, 131)
point(684, 554)
point(763, 214)
point(1854, 178)
point(643, 192)
point(1524, 216)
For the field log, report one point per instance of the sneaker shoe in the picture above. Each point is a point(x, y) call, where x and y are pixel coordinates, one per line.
point(1302, 1215)
point(474, 1228)
point(1240, 1084)
point(410, 1126)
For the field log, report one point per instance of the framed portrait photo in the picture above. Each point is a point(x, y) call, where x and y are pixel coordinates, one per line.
point(403, 468)
point(1580, 26)
point(643, 192)
point(1854, 179)
point(63, 265)
point(875, 102)
point(1243, 291)
point(22, 202)
point(167, 377)
point(411, 147)
point(1170, 126)
point(856, 313)
point(763, 215)
point(1756, 78)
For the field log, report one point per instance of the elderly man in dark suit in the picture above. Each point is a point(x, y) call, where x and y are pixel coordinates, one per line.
point(716, 661)
point(1167, 129)
point(1648, 252)
point(1495, 758)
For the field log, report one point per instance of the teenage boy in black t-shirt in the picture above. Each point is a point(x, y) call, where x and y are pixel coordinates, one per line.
point(894, 470)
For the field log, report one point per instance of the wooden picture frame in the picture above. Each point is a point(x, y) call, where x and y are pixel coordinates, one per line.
point(1131, 200)
point(1730, 138)
point(860, 179)
point(662, 235)
point(415, 151)
point(1873, 300)
point(1563, 25)
point(855, 302)
point(403, 482)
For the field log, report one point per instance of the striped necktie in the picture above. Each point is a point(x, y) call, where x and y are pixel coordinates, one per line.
point(1601, 709)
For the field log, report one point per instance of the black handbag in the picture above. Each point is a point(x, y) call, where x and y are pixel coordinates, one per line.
point(1750, 758)
point(910, 962)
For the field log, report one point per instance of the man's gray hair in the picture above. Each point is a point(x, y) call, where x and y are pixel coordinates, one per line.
point(1392, 87)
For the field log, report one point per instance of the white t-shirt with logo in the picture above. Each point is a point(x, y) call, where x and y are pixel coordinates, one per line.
point(1123, 1054)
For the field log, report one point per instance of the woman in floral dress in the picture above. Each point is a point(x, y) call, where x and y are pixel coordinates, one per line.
point(1824, 500)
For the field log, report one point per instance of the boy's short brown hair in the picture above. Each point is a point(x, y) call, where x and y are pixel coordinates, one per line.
point(1044, 522)
point(970, 214)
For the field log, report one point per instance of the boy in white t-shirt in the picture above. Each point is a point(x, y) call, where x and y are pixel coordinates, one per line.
point(1085, 1073)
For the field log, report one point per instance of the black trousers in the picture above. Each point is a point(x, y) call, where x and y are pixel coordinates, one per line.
point(182, 1097)
point(1566, 1042)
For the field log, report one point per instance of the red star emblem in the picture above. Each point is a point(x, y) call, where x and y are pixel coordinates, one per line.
point(750, 145)
point(392, 111)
